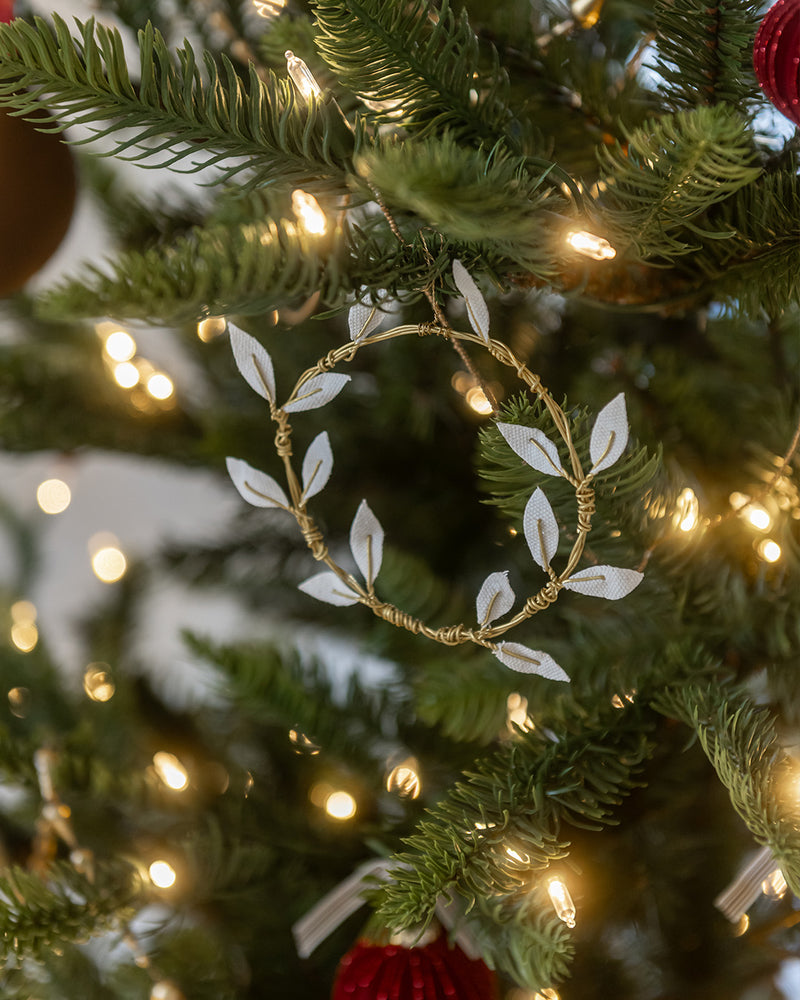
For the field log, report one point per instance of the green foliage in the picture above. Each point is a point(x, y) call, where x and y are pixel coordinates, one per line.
point(521, 797)
point(739, 739)
point(36, 912)
point(426, 62)
point(706, 51)
point(488, 199)
point(669, 174)
point(173, 110)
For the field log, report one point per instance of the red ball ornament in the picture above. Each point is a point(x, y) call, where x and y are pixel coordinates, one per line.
point(776, 57)
point(434, 971)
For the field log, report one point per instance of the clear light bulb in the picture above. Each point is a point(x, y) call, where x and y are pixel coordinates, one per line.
point(162, 874)
point(687, 512)
point(404, 779)
point(53, 496)
point(562, 901)
point(170, 770)
point(769, 550)
point(340, 805)
point(596, 247)
point(310, 216)
point(301, 75)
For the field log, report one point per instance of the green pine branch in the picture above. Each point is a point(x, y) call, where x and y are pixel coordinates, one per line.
point(740, 741)
point(179, 114)
point(668, 175)
point(706, 51)
point(519, 798)
point(423, 61)
point(35, 912)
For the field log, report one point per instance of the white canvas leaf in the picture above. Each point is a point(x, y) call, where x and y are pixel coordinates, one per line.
point(317, 465)
point(533, 447)
point(477, 310)
point(541, 529)
point(365, 317)
point(256, 487)
point(317, 391)
point(253, 362)
point(495, 598)
point(610, 582)
point(327, 586)
point(529, 661)
point(609, 434)
point(366, 542)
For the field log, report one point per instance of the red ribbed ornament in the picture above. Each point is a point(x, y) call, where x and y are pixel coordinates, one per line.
point(776, 57)
point(435, 971)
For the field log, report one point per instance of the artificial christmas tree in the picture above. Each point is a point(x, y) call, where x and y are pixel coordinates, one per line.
point(517, 287)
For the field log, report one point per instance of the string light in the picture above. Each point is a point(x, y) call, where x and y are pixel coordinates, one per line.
point(162, 874)
point(769, 550)
point(53, 496)
point(302, 744)
point(166, 989)
point(210, 328)
point(340, 805)
point(517, 713)
point(626, 699)
point(269, 8)
point(126, 375)
point(170, 770)
point(742, 925)
point(310, 216)
point(18, 701)
point(595, 247)
point(97, 682)
point(477, 400)
point(774, 885)
point(687, 513)
point(562, 901)
point(159, 386)
point(301, 75)
point(24, 633)
point(758, 516)
point(109, 564)
point(120, 346)
point(404, 779)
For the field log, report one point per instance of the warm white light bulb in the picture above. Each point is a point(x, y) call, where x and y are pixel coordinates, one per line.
point(109, 564)
point(775, 885)
point(211, 327)
point(310, 216)
point(126, 375)
point(687, 511)
point(24, 635)
point(170, 770)
point(162, 874)
point(758, 516)
point(160, 386)
point(301, 75)
point(120, 346)
point(97, 682)
point(340, 805)
point(769, 551)
point(53, 496)
point(478, 401)
point(404, 779)
point(596, 247)
point(562, 901)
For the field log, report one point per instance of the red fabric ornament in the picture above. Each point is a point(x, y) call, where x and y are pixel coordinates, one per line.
point(434, 971)
point(6, 10)
point(776, 57)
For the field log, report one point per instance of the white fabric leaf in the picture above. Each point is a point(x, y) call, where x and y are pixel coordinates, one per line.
point(256, 487)
point(253, 362)
point(317, 391)
point(609, 434)
point(541, 529)
point(477, 310)
point(529, 661)
point(366, 542)
point(327, 586)
point(495, 598)
point(317, 465)
point(365, 317)
point(533, 447)
point(610, 582)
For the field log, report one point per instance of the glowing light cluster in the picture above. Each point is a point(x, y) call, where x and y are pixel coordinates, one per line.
point(128, 370)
